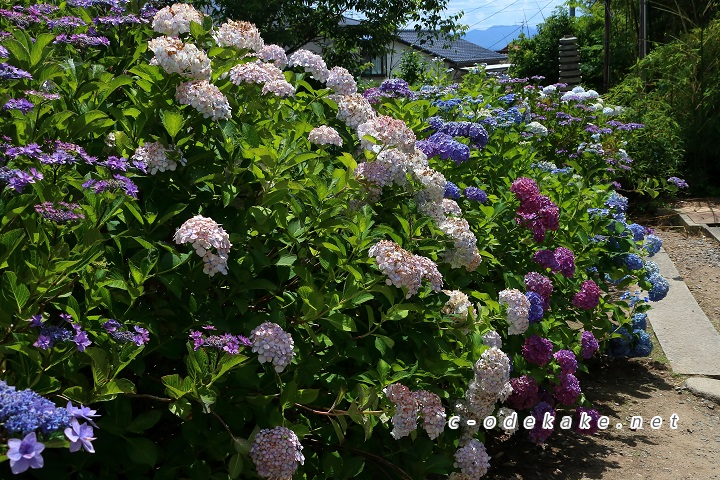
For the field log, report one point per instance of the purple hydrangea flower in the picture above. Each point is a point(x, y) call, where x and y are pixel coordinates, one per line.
point(588, 345)
point(25, 453)
point(21, 104)
point(678, 182)
point(534, 282)
point(8, 72)
point(475, 194)
point(396, 87)
point(588, 297)
point(80, 436)
point(61, 212)
point(567, 361)
point(566, 261)
point(82, 412)
point(539, 434)
point(591, 427)
point(537, 350)
point(546, 259)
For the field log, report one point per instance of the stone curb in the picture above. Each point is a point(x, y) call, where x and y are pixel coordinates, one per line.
point(708, 388)
point(684, 220)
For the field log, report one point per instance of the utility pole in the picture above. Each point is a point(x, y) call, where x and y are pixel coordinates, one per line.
point(606, 48)
point(643, 34)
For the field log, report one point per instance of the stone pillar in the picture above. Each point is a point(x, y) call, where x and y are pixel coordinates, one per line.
point(569, 62)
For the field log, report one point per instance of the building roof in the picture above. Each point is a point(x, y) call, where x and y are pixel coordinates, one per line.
point(460, 51)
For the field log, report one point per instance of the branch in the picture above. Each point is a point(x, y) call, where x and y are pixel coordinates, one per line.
point(338, 413)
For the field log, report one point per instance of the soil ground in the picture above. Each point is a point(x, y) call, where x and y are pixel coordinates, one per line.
point(622, 388)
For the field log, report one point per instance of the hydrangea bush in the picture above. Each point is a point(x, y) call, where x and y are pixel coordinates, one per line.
point(371, 264)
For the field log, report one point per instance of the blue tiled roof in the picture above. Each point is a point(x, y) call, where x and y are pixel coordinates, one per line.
point(460, 52)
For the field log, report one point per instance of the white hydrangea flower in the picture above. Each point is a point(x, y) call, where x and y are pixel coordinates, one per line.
point(273, 53)
point(204, 234)
point(404, 269)
point(341, 81)
point(472, 459)
point(155, 155)
point(517, 311)
point(405, 419)
point(354, 110)
point(324, 135)
point(174, 56)
point(175, 19)
point(206, 98)
point(239, 34)
point(311, 62)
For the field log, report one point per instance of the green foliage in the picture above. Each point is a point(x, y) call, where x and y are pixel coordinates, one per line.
point(412, 67)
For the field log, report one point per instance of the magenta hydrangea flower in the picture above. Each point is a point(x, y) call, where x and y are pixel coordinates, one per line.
point(566, 261)
point(537, 350)
point(588, 297)
point(525, 393)
point(588, 345)
point(525, 189)
point(546, 259)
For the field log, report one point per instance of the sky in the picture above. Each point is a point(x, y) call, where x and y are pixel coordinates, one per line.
point(481, 14)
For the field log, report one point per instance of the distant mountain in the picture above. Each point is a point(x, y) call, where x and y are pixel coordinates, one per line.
point(497, 36)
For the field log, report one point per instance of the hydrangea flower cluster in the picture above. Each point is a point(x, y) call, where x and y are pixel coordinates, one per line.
point(539, 434)
point(272, 344)
point(678, 182)
point(465, 252)
point(119, 333)
point(536, 211)
point(588, 345)
point(23, 105)
point(659, 287)
point(82, 40)
point(204, 97)
point(405, 269)
point(476, 194)
point(118, 182)
point(409, 405)
point(541, 285)
point(255, 72)
point(536, 312)
point(492, 339)
point(175, 19)
point(524, 392)
point(594, 417)
point(226, 342)
point(158, 157)
point(537, 129)
point(204, 234)
point(633, 261)
point(51, 334)
point(390, 132)
point(405, 418)
point(186, 59)
point(537, 350)
point(325, 135)
point(458, 306)
point(273, 53)
point(341, 81)
point(18, 179)
point(311, 62)
point(652, 244)
point(60, 212)
point(239, 34)
point(562, 260)
point(568, 391)
point(8, 72)
point(472, 459)
point(446, 147)
point(588, 297)
point(620, 346)
point(276, 453)
point(517, 312)
point(474, 131)
point(492, 370)
point(354, 110)
point(396, 88)
point(24, 411)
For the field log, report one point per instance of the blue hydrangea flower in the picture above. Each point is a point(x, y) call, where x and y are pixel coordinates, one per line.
point(452, 191)
point(633, 261)
point(659, 289)
point(651, 268)
point(639, 321)
point(536, 309)
point(617, 201)
point(638, 231)
point(620, 346)
point(643, 344)
point(652, 244)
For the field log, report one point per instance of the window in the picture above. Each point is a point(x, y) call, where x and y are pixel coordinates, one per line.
point(379, 66)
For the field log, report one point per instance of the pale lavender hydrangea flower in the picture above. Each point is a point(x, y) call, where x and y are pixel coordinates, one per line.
point(341, 81)
point(204, 234)
point(272, 344)
point(325, 135)
point(517, 312)
point(311, 62)
point(276, 453)
point(405, 269)
point(25, 453)
point(80, 436)
point(472, 459)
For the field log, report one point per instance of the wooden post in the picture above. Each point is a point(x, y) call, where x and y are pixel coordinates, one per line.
point(569, 62)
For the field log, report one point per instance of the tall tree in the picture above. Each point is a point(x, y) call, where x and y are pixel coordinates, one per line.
point(294, 23)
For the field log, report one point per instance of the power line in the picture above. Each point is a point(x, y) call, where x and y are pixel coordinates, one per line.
point(496, 13)
point(515, 30)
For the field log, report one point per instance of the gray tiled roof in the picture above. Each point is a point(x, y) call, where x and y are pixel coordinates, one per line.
point(461, 52)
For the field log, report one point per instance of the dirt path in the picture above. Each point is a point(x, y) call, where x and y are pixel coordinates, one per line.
point(622, 388)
